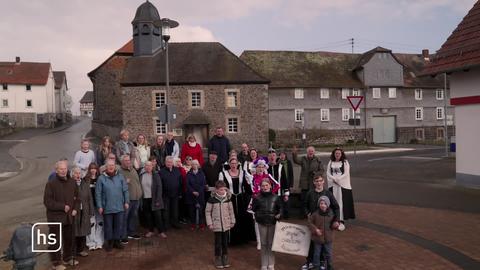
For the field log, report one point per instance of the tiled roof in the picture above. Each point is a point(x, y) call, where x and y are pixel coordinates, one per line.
point(191, 63)
point(87, 97)
point(304, 69)
point(24, 73)
point(328, 69)
point(59, 77)
point(462, 48)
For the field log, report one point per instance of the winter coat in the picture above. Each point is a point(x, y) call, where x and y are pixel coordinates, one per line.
point(157, 192)
point(83, 160)
point(111, 193)
point(58, 193)
point(82, 219)
point(219, 213)
point(172, 182)
point(288, 166)
point(172, 148)
point(221, 145)
point(160, 153)
point(122, 149)
point(266, 206)
point(134, 187)
point(322, 221)
point(211, 172)
point(102, 157)
point(194, 152)
point(195, 182)
point(20, 248)
point(309, 166)
point(311, 202)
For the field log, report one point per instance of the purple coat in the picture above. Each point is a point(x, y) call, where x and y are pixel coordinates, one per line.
point(195, 182)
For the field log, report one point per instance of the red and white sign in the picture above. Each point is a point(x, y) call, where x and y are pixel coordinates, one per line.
point(355, 101)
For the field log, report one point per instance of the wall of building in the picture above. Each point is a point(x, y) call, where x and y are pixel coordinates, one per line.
point(467, 127)
point(382, 69)
point(139, 111)
point(107, 92)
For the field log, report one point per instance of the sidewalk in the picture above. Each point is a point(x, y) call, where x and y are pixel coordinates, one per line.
point(382, 237)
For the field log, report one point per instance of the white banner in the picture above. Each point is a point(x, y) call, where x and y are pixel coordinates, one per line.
point(291, 239)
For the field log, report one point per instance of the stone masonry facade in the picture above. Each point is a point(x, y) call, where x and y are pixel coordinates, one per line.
point(139, 111)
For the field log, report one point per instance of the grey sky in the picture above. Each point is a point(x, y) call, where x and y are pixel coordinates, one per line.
point(77, 36)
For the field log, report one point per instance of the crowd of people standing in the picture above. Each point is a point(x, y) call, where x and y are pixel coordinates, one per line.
point(240, 195)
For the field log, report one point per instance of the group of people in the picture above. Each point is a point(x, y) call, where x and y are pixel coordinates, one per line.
point(240, 196)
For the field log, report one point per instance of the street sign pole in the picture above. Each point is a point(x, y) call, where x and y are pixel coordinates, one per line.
point(355, 102)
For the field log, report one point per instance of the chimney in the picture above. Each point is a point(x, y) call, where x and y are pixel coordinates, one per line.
point(17, 59)
point(426, 54)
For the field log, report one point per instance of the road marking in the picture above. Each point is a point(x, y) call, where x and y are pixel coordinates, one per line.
point(8, 174)
point(405, 157)
point(13, 140)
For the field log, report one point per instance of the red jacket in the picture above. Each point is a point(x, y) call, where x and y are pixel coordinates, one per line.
point(195, 152)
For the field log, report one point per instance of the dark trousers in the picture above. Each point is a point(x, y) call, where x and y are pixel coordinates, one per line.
point(80, 243)
point(67, 244)
point(113, 225)
point(285, 205)
point(131, 219)
point(193, 214)
point(153, 219)
point(324, 250)
point(171, 211)
point(303, 197)
point(221, 243)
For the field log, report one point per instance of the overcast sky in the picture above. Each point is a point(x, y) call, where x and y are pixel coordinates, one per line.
point(78, 35)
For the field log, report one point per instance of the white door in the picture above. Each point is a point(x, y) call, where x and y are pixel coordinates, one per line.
point(383, 129)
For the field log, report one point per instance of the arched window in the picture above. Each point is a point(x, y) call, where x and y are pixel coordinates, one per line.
point(156, 31)
point(145, 29)
point(135, 30)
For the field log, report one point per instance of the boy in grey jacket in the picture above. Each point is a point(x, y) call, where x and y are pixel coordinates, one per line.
point(220, 219)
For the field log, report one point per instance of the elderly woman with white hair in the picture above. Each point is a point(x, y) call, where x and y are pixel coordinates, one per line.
point(195, 196)
point(152, 201)
point(86, 211)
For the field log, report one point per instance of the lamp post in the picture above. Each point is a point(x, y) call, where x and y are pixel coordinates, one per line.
point(166, 24)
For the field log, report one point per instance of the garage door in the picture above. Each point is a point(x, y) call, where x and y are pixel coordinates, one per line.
point(383, 129)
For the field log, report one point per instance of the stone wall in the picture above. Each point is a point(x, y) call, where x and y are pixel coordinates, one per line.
point(107, 91)
point(252, 111)
point(102, 129)
point(407, 134)
point(21, 120)
point(288, 138)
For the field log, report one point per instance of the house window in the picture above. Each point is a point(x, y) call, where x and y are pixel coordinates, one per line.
point(440, 113)
point(392, 92)
point(28, 87)
point(324, 115)
point(419, 113)
point(232, 125)
point(345, 114)
point(299, 114)
point(357, 115)
point(376, 93)
point(29, 103)
point(298, 93)
point(345, 93)
point(324, 93)
point(356, 92)
point(440, 133)
point(4, 102)
point(196, 99)
point(159, 127)
point(231, 98)
point(418, 94)
point(159, 99)
point(5, 86)
point(439, 94)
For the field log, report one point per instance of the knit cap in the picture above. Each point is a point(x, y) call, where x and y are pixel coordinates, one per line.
point(325, 199)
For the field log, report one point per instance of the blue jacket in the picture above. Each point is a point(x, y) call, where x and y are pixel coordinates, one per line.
point(172, 182)
point(221, 145)
point(111, 193)
point(195, 182)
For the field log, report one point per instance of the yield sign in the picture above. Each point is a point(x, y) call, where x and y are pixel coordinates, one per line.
point(355, 101)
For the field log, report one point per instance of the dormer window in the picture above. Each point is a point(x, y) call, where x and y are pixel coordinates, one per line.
point(145, 29)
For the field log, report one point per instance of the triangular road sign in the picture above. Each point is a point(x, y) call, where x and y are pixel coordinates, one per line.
point(355, 101)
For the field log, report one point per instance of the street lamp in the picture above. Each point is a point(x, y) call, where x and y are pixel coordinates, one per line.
point(166, 24)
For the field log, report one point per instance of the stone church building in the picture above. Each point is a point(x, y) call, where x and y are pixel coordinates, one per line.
point(209, 85)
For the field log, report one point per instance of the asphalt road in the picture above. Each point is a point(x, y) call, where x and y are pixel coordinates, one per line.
point(21, 197)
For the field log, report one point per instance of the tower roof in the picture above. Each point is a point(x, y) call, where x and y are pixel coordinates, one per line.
point(146, 12)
